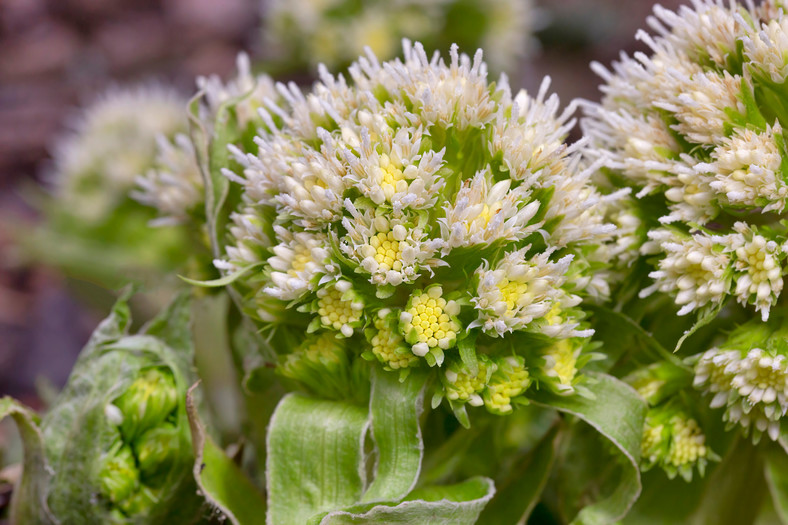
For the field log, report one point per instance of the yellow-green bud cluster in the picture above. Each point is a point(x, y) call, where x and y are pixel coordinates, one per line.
point(147, 446)
point(674, 441)
point(509, 380)
point(460, 385)
point(430, 323)
point(388, 346)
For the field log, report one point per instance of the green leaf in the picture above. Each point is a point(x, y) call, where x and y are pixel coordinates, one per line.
point(777, 480)
point(29, 504)
point(220, 480)
point(520, 492)
point(315, 458)
point(617, 413)
point(736, 489)
point(458, 504)
point(395, 409)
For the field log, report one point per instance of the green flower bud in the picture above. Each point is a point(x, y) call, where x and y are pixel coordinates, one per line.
point(149, 401)
point(119, 477)
point(156, 451)
point(509, 381)
point(322, 366)
point(112, 431)
point(461, 386)
point(674, 441)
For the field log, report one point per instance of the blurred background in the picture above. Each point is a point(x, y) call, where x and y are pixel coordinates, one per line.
point(56, 55)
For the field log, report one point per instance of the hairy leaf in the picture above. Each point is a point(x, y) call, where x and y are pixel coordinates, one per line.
point(458, 504)
point(618, 414)
point(220, 480)
point(315, 458)
point(394, 409)
point(29, 503)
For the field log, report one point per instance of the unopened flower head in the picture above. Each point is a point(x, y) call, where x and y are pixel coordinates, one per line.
point(421, 213)
point(335, 32)
point(748, 376)
point(148, 446)
point(674, 441)
point(698, 124)
point(112, 142)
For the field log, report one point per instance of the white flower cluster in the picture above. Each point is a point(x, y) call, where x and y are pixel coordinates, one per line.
point(700, 122)
point(114, 140)
point(173, 185)
point(421, 209)
point(752, 385)
point(674, 441)
point(335, 32)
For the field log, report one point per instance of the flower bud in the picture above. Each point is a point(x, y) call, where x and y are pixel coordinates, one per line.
point(674, 441)
point(149, 400)
point(322, 366)
point(119, 477)
point(156, 451)
point(509, 381)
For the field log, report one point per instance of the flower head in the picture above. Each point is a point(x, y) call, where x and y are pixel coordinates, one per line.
point(429, 211)
point(697, 126)
point(115, 140)
point(674, 441)
point(748, 375)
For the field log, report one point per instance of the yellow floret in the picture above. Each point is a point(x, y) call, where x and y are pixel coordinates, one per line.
point(430, 321)
point(390, 178)
point(333, 311)
point(301, 258)
point(688, 442)
point(563, 360)
point(388, 252)
point(388, 346)
point(511, 292)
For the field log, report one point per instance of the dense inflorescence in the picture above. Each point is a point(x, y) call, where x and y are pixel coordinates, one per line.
point(748, 376)
point(696, 129)
point(428, 218)
point(113, 141)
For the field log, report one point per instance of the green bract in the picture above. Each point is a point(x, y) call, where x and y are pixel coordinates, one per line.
point(421, 216)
